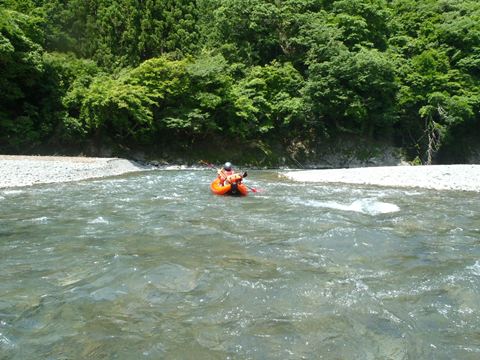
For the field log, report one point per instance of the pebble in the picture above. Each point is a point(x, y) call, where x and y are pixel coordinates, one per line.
point(439, 177)
point(17, 171)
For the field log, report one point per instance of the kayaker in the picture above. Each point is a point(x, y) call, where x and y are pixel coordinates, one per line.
point(225, 172)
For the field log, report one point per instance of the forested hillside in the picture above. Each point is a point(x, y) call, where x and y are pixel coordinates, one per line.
point(254, 75)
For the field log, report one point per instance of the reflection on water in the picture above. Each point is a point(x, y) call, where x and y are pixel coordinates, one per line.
point(154, 266)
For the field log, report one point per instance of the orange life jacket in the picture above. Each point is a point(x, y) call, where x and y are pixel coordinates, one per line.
point(224, 174)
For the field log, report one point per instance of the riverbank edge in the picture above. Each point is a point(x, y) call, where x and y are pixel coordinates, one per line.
point(20, 171)
point(436, 177)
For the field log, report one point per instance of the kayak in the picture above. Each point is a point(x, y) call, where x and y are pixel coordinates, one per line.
point(234, 188)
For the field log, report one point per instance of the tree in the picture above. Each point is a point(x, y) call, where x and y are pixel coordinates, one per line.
point(20, 81)
point(363, 22)
point(168, 26)
point(166, 82)
point(120, 33)
point(114, 109)
point(268, 100)
point(353, 92)
point(433, 99)
point(243, 30)
point(70, 79)
point(436, 43)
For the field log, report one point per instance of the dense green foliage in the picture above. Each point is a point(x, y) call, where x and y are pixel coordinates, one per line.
point(154, 73)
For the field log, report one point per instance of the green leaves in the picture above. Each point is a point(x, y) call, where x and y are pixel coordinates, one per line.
point(161, 77)
point(363, 23)
point(21, 76)
point(354, 92)
point(268, 98)
point(256, 69)
point(121, 33)
point(437, 73)
point(119, 107)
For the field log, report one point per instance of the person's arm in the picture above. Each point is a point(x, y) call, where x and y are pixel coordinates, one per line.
point(221, 174)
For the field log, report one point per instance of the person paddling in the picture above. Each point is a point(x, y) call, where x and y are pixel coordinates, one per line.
point(226, 174)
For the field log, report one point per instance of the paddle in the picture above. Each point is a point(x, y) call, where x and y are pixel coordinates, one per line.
point(210, 165)
point(251, 188)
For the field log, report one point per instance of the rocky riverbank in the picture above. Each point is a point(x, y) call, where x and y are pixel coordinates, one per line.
point(18, 171)
point(439, 177)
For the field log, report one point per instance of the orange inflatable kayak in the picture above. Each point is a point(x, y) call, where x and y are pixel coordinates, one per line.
point(234, 188)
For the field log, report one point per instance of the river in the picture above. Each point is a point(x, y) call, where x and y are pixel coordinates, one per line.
point(152, 265)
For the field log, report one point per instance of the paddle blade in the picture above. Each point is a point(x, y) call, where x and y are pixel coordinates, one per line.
point(253, 189)
point(203, 162)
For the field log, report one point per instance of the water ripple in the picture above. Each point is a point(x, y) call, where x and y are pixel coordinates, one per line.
point(154, 265)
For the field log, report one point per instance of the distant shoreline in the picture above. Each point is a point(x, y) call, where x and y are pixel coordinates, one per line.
point(438, 177)
point(20, 170)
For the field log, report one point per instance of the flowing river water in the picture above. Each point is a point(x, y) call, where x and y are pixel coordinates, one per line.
point(152, 266)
